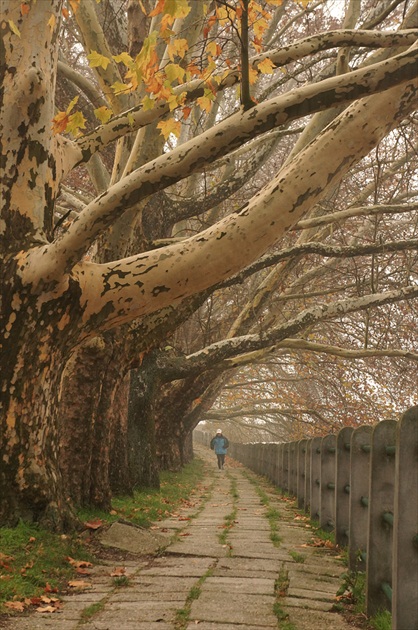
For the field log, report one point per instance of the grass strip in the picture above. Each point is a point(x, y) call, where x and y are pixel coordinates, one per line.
point(182, 617)
point(272, 513)
point(36, 563)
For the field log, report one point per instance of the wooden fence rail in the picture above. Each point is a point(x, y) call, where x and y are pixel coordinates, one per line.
point(363, 485)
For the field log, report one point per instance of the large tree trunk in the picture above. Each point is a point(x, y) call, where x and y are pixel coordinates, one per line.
point(144, 392)
point(31, 486)
point(81, 390)
point(119, 474)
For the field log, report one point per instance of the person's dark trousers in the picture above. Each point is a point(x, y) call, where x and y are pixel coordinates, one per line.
point(221, 461)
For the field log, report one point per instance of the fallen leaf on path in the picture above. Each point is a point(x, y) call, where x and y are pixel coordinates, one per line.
point(79, 563)
point(17, 606)
point(79, 584)
point(94, 524)
point(118, 571)
point(46, 609)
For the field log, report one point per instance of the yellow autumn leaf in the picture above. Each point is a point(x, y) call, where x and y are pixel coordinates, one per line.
point(124, 58)
point(60, 122)
point(275, 3)
point(252, 75)
point(71, 105)
point(177, 8)
point(148, 103)
point(147, 50)
point(205, 102)
point(169, 126)
point(103, 114)
point(174, 72)
point(120, 88)
point(266, 66)
point(178, 47)
point(97, 60)
point(224, 15)
point(213, 49)
point(14, 28)
point(175, 100)
point(260, 26)
point(75, 123)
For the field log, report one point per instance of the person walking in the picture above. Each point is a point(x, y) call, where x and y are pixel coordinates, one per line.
point(219, 443)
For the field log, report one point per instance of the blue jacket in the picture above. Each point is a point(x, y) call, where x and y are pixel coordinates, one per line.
point(219, 444)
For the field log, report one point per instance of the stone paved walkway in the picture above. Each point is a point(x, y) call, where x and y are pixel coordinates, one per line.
point(219, 571)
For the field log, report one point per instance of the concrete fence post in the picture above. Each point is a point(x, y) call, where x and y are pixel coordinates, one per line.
point(300, 484)
point(272, 457)
point(315, 478)
point(280, 465)
point(405, 526)
point(307, 501)
point(342, 487)
point(327, 480)
point(380, 529)
point(292, 468)
point(285, 486)
point(359, 497)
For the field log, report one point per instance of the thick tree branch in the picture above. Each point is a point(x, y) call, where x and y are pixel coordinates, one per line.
point(345, 353)
point(327, 251)
point(51, 261)
point(362, 211)
point(238, 351)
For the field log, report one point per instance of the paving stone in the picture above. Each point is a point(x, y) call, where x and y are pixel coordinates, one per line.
point(311, 594)
point(311, 604)
point(163, 584)
point(233, 585)
point(138, 611)
point(132, 539)
point(317, 620)
point(245, 609)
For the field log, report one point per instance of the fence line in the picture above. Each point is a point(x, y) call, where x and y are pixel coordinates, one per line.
point(363, 485)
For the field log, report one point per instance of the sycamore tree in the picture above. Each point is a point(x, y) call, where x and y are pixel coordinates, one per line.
point(81, 180)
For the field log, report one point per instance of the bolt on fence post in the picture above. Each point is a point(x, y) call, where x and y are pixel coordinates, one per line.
point(327, 479)
point(315, 477)
point(307, 502)
point(405, 527)
point(342, 487)
point(380, 530)
point(300, 485)
point(359, 492)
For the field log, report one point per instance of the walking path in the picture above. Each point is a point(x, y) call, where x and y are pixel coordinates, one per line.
point(221, 570)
